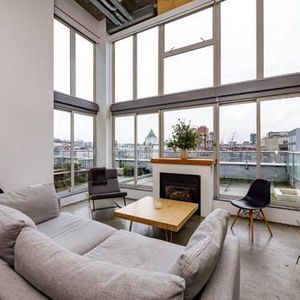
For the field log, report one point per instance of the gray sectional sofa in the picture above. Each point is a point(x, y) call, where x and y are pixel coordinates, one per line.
point(47, 254)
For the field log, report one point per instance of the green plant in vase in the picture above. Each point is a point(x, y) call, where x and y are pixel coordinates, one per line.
point(184, 137)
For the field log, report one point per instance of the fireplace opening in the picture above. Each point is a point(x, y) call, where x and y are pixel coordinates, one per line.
point(182, 187)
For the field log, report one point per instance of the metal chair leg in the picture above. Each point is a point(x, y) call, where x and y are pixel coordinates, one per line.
point(297, 260)
point(237, 215)
point(251, 224)
point(266, 222)
point(124, 199)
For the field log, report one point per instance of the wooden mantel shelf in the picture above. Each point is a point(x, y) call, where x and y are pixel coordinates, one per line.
point(178, 161)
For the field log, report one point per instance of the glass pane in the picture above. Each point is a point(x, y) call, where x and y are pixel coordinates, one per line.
point(124, 70)
point(189, 71)
point(124, 149)
point(200, 118)
point(61, 58)
point(84, 68)
point(189, 30)
point(147, 146)
point(237, 148)
point(280, 149)
point(62, 148)
point(281, 36)
point(83, 148)
point(238, 40)
point(147, 63)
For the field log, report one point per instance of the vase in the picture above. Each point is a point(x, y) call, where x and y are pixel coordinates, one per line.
point(183, 154)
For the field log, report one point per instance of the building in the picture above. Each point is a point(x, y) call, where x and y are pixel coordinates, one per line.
point(253, 138)
point(275, 141)
point(151, 138)
point(294, 140)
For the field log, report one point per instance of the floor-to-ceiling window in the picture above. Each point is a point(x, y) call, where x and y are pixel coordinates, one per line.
point(237, 148)
point(213, 68)
point(280, 149)
point(201, 119)
point(74, 149)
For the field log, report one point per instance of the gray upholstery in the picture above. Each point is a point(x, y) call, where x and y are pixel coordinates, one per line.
point(224, 283)
point(74, 233)
point(112, 185)
point(129, 249)
point(63, 275)
point(40, 202)
point(12, 222)
point(198, 260)
point(14, 287)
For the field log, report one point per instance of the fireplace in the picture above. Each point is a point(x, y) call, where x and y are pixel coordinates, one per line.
point(182, 187)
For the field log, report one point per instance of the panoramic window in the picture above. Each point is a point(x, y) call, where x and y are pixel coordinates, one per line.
point(84, 50)
point(83, 148)
point(124, 151)
point(200, 118)
point(61, 58)
point(189, 30)
point(237, 148)
point(147, 63)
point(238, 40)
point(188, 71)
point(147, 147)
point(124, 69)
point(280, 148)
point(70, 168)
point(281, 36)
point(62, 150)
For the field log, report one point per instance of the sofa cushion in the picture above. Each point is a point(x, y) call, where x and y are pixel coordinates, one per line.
point(74, 233)
point(40, 202)
point(133, 250)
point(14, 287)
point(202, 252)
point(64, 275)
point(12, 222)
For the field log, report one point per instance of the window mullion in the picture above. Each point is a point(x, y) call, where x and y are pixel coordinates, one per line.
point(258, 137)
point(72, 64)
point(161, 42)
point(217, 43)
point(72, 153)
point(135, 151)
point(259, 39)
point(134, 62)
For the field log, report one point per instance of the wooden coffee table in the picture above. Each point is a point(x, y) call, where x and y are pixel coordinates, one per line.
point(171, 216)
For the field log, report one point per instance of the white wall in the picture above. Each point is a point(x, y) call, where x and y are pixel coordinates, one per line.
point(26, 92)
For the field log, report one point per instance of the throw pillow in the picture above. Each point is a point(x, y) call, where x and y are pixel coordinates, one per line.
point(202, 253)
point(11, 224)
point(39, 202)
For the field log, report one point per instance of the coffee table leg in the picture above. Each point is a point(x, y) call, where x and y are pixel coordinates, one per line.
point(166, 235)
point(130, 225)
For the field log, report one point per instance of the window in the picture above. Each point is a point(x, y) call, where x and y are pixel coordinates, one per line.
point(84, 68)
point(189, 30)
point(201, 118)
point(237, 148)
point(281, 36)
point(238, 40)
point(147, 147)
point(189, 70)
point(280, 149)
point(125, 149)
point(73, 74)
point(61, 57)
point(73, 156)
point(83, 148)
point(62, 150)
point(124, 69)
point(147, 63)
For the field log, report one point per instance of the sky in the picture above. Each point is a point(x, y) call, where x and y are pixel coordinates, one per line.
point(194, 70)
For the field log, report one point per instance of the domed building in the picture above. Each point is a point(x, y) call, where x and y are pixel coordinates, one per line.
point(151, 138)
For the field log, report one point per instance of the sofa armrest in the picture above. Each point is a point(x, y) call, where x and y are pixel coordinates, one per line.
point(224, 283)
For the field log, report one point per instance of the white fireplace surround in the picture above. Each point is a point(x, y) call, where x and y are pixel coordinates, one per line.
point(207, 180)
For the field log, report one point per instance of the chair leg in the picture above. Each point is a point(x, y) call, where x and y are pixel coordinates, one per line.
point(251, 224)
point(237, 215)
point(266, 222)
point(297, 260)
point(124, 199)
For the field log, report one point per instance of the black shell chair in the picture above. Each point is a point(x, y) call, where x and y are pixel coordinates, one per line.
point(102, 187)
point(257, 198)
